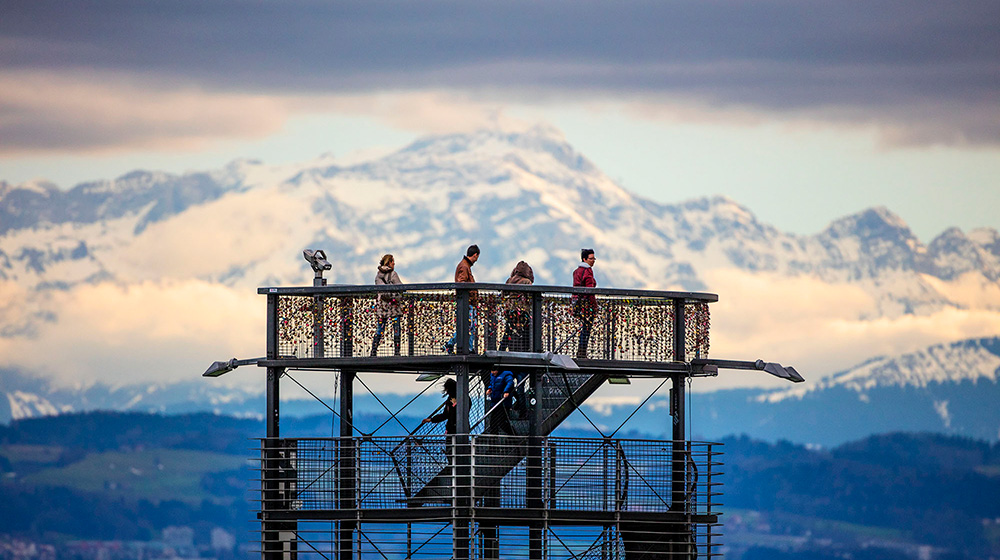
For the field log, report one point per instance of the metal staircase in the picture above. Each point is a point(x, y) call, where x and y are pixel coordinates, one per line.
point(495, 455)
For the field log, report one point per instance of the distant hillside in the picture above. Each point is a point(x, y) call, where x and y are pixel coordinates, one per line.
point(912, 489)
point(945, 388)
point(949, 389)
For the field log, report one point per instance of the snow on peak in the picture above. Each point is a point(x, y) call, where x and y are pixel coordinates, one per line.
point(38, 186)
point(29, 405)
point(877, 222)
point(986, 237)
point(501, 141)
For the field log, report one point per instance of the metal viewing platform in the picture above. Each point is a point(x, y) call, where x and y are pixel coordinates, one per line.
point(477, 493)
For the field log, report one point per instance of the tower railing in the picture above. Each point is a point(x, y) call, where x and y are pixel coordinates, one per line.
point(427, 320)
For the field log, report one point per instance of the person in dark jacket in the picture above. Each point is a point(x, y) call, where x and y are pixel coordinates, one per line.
point(387, 306)
point(463, 273)
point(447, 414)
point(517, 311)
point(500, 393)
point(585, 306)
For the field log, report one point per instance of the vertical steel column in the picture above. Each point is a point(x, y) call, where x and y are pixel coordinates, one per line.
point(678, 449)
point(277, 537)
point(272, 414)
point(461, 461)
point(534, 477)
point(347, 480)
point(271, 545)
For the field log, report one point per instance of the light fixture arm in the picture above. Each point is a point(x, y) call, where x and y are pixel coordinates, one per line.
point(222, 368)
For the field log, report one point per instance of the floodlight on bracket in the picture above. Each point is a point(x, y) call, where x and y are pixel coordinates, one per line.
point(712, 367)
point(532, 358)
point(222, 368)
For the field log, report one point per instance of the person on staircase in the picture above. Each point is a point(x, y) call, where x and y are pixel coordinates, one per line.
point(447, 414)
point(500, 393)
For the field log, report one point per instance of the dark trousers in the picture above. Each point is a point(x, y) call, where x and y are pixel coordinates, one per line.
point(587, 322)
point(515, 336)
point(500, 421)
point(396, 335)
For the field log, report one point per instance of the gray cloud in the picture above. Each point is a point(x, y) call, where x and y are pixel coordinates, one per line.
point(930, 70)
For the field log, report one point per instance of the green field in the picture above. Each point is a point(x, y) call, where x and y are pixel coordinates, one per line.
point(152, 474)
point(42, 454)
point(844, 530)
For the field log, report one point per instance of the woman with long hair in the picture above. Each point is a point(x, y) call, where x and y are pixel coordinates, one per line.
point(388, 306)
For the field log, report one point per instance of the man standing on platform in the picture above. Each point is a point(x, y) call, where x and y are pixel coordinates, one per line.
point(585, 306)
point(463, 273)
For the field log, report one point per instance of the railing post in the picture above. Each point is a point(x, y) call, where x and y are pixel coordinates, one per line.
point(491, 310)
point(604, 479)
point(462, 320)
point(319, 313)
point(411, 326)
point(346, 326)
point(709, 468)
point(536, 324)
point(347, 479)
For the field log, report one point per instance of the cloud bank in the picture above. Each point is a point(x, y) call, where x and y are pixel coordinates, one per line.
point(921, 71)
point(164, 331)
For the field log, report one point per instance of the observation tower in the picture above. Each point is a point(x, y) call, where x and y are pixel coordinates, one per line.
point(475, 494)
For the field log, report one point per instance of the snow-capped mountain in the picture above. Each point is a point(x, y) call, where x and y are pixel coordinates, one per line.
point(147, 278)
point(525, 194)
point(975, 361)
point(947, 388)
point(28, 397)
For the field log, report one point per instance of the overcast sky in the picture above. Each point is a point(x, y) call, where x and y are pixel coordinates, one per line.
point(803, 110)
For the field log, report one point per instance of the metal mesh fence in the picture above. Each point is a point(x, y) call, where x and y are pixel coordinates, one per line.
point(604, 498)
point(585, 474)
point(433, 539)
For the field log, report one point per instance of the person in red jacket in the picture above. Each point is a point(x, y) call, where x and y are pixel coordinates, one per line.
point(585, 306)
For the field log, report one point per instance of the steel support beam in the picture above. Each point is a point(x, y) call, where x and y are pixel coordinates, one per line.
point(347, 476)
point(461, 462)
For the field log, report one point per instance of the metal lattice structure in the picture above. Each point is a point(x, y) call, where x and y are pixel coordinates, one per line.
point(478, 492)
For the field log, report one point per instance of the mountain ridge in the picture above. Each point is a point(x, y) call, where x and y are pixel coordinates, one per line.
point(945, 388)
point(521, 195)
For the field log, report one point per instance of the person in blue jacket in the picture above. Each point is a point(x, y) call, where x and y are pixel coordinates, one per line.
point(500, 391)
